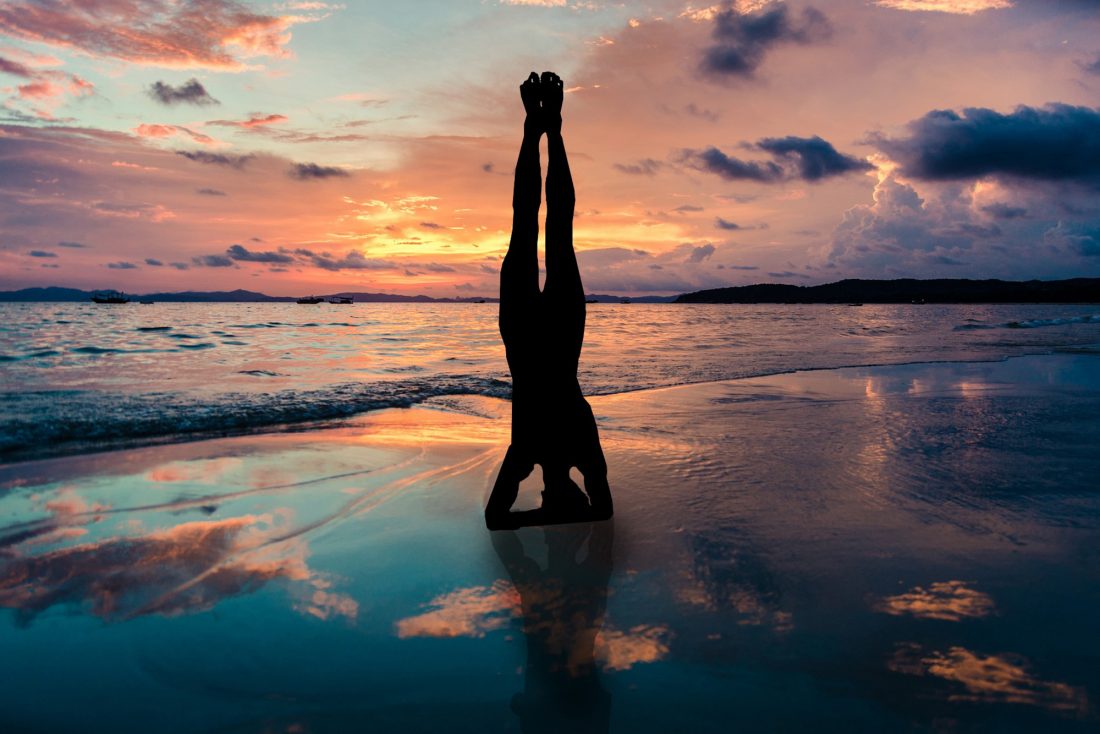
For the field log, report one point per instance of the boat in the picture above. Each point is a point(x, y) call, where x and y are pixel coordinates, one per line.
point(340, 300)
point(310, 299)
point(146, 303)
point(110, 297)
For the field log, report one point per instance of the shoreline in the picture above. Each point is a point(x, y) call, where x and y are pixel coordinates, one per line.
point(349, 418)
point(901, 545)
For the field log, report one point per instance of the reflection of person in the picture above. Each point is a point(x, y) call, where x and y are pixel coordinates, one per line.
point(552, 423)
point(563, 611)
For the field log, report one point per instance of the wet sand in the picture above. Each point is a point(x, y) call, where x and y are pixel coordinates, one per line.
point(912, 547)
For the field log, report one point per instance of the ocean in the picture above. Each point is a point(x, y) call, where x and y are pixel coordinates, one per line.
point(80, 377)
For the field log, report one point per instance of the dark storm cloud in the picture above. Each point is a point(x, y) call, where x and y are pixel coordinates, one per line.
point(1004, 211)
point(312, 171)
point(41, 253)
point(715, 161)
point(217, 159)
point(1055, 143)
point(243, 254)
point(644, 167)
point(211, 261)
point(190, 92)
point(742, 40)
point(814, 157)
point(809, 159)
point(153, 262)
point(122, 266)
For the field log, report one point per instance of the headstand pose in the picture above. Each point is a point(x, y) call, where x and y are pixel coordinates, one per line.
point(552, 423)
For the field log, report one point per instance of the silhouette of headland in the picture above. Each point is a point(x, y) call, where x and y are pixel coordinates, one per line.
point(552, 423)
point(908, 290)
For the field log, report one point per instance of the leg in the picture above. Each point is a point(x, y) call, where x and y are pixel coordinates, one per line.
point(564, 293)
point(519, 273)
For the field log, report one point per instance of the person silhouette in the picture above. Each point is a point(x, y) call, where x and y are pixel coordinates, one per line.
point(563, 607)
point(552, 423)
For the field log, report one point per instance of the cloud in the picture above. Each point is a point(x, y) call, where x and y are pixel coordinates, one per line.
point(950, 601)
point(981, 678)
point(41, 253)
point(353, 260)
point(153, 262)
point(742, 40)
point(701, 253)
point(74, 245)
point(788, 274)
point(255, 120)
point(243, 254)
point(685, 208)
point(190, 92)
point(721, 223)
point(813, 157)
point(211, 261)
point(210, 192)
point(7, 66)
point(431, 225)
point(312, 171)
point(217, 159)
point(122, 265)
point(808, 159)
point(1000, 210)
point(1057, 142)
point(147, 130)
point(715, 161)
point(213, 34)
point(644, 167)
point(958, 7)
point(179, 266)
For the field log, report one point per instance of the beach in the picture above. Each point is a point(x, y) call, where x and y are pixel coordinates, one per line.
point(901, 547)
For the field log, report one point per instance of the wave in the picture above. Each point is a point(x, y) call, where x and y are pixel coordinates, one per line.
point(38, 424)
point(971, 325)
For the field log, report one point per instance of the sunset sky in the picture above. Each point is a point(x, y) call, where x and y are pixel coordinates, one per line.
point(299, 147)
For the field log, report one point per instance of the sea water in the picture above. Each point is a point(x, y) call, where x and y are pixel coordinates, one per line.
point(80, 376)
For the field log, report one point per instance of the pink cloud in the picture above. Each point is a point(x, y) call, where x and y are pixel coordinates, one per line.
point(254, 120)
point(187, 568)
point(152, 130)
point(215, 34)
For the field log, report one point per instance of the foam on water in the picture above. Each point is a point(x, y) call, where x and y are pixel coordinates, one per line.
point(74, 376)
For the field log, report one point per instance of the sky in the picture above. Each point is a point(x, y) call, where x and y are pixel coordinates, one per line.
point(316, 147)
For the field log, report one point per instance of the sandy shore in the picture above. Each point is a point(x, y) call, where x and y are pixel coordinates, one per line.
point(904, 547)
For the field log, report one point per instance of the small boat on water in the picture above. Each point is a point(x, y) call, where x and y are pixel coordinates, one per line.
point(310, 299)
point(110, 297)
point(146, 303)
point(340, 300)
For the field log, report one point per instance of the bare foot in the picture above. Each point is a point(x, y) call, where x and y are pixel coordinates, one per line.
point(529, 92)
point(553, 93)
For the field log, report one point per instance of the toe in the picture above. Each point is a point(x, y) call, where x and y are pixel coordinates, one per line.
point(533, 78)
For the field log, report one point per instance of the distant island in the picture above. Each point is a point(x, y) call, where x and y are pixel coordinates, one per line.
point(903, 290)
point(71, 295)
point(908, 290)
point(54, 293)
